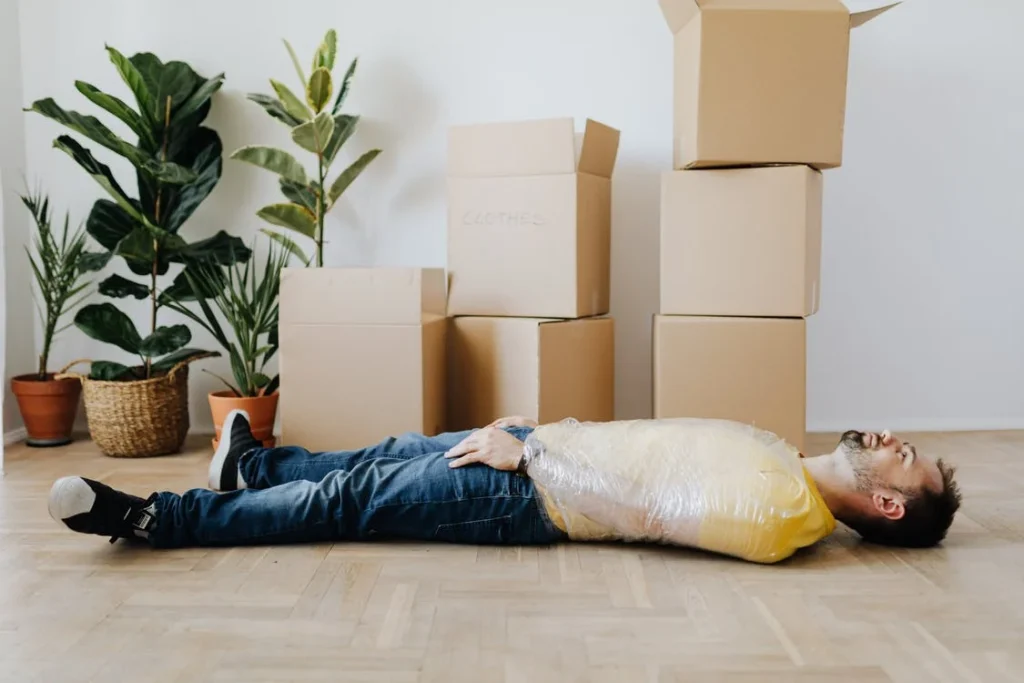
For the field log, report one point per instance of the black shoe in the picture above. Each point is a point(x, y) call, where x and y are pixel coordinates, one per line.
point(236, 440)
point(89, 507)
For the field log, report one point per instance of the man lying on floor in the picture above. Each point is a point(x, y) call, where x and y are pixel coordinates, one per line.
point(709, 484)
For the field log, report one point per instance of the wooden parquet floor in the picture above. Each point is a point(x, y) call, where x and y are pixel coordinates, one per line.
point(73, 608)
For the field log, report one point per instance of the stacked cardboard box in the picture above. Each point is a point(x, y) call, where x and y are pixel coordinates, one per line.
point(529, 253)
point(760, 99)
point(362, 355)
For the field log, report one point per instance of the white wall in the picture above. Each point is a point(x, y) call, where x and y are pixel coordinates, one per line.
point(18, 345)
point(926, 204)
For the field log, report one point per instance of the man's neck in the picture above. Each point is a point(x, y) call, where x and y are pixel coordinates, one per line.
point(834, 477)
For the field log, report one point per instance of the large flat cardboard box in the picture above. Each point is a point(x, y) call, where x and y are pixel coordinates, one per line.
point(741, 242)
point(545, 369)
point(761, 81)
point(529, 218)
point(362, 355)
point(751, 370)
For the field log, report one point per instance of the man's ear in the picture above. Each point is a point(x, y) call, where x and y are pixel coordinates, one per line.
point(890, 505)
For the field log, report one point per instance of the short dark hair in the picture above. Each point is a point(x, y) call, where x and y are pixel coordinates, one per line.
point(925, 522)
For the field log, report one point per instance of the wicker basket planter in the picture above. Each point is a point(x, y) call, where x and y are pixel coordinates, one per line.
point(139, 419)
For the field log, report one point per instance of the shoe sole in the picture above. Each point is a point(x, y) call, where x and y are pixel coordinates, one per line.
point(69, 496)
point(221, 454)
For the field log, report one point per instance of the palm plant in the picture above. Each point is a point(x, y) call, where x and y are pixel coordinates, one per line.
point(56, 268)
point(316, 129)
point(248, 304)
point(177, 164)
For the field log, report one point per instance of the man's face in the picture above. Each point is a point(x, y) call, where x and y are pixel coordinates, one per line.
point(884, 463)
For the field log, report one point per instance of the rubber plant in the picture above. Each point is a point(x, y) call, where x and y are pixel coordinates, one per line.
point(48, 405)
point(317, 126)
point(177, 163)
point(247, 303)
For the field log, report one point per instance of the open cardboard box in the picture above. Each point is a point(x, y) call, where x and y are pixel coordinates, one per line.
point(529, 218)
point(761, 81)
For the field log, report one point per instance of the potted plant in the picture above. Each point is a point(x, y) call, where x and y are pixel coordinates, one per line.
point(318, 127)
point(48, 405)
point(247, 302)
point(141, 409)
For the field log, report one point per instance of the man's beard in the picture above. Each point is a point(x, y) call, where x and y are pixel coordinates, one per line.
point(865, 478)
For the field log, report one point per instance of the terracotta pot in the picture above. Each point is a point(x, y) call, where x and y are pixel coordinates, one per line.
point(48, 407)
point(262, 411)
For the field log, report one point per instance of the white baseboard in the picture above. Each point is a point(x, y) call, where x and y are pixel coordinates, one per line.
point(980, 424)
point(15, 436)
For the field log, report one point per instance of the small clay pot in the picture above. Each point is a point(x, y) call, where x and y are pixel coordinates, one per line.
point(262, 412)
point(48, 408)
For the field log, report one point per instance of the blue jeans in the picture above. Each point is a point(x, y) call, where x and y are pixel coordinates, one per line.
point(401, 488)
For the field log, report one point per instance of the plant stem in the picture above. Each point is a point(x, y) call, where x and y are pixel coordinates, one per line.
point(156, 245)
point(321, 209)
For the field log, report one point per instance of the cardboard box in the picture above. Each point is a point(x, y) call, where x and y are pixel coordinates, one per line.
point(529, 218)
point(741, 242)
point(362, 355)
point(761, 82)
point(545, 369)
point(751, 370)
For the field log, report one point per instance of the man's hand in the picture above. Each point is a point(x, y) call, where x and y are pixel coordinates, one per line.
point(515, 421)
point(488, 446)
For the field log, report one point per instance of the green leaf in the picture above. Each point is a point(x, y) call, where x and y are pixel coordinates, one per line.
point(275, 108)
point(328, 50)
point(314, 135)
point(181, 289)
point(109, 371)
point(292, 216)
point(272, 386)
point(345, 85)
point(349, 175)
point(318, 93)
point(174, 81)
point(118, 287)
point(93, 128)
point(94, 261)
point(164, 340)
point(292, 104)
point(207, 165)
point(222, 248)
point(288, 244)
point(108, 223)
point(100, 173)
point(299, 194)
point(274, 160)
point(135, 82)
point(107, 324)
point(199, 96)
point(295, 62)
point(140, 253)
point(167, 362)
point(344, 127)
point(118, 108)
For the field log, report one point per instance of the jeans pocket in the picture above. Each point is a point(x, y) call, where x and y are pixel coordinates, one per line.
point(496, 530)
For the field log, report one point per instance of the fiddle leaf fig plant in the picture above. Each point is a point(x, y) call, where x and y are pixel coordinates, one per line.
point(177, 163)
point(318, 127)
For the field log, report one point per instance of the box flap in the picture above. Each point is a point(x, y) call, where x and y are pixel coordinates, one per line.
point(515, 148)
point(367, 296)
point(599, 147)
point(679, 13)
point(861, 12)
